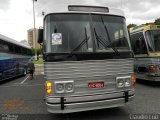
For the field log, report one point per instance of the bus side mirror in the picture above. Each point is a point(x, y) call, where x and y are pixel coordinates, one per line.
point(40, 36)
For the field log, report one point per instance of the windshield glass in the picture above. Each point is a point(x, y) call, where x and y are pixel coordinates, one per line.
point(153, 39)
point(67, 33)
point(111, 31)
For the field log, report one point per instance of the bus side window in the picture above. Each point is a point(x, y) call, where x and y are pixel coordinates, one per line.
point(1, 46)
point(11, 47)
point(137, 47)
point(4, 47)
point(143, 45)
point(135, 44)
point(138, 43)
point(157, 42)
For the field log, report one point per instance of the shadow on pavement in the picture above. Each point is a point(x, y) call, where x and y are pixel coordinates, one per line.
point(149, 83)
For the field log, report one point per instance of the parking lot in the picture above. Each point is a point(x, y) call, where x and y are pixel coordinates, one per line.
point(26, 97)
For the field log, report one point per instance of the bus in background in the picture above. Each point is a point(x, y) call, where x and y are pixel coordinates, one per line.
point(145, 42)
point(14, 58)
point(88, 60)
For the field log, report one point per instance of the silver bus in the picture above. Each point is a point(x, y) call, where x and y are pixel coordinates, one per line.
point(145, 42)
point(88, 60)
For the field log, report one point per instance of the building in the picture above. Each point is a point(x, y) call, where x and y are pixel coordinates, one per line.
point(32, 38)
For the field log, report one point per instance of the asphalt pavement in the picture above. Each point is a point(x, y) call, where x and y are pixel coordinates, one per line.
point(24, 99)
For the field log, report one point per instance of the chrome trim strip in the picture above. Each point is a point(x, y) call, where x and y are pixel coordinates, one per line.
point(77, 107)
point(107, 75)
point(93, 97)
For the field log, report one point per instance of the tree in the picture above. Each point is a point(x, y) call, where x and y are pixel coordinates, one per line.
point(39, 51)
point(131, 25)
point(157, 21)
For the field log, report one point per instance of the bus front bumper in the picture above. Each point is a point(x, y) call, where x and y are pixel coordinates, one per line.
point(85, 103)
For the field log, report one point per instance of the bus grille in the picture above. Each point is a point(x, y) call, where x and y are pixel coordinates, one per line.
point(83, 72)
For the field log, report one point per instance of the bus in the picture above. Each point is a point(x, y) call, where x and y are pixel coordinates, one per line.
point(145, 42)
point(88, 61)
point(14, 58)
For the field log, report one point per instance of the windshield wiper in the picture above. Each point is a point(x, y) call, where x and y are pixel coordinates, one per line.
point(82, 43)
point(104, 43)
point(105, 27)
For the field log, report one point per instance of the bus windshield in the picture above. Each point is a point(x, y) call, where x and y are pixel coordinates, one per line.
point(153, 39)
point(66, 33)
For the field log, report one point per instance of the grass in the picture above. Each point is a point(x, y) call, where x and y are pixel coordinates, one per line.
point(38, 61)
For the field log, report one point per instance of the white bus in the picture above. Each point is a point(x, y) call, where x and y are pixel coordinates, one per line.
point(88, 59)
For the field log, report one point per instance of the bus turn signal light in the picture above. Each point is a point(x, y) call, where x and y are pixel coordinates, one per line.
point(48, 87)
point(133, 78)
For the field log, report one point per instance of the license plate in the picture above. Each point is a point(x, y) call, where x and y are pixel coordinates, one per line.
point(96, 84)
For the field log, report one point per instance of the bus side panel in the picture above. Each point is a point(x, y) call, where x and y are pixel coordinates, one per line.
point(10, 68)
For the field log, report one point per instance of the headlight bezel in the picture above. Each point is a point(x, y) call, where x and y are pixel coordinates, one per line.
point(128, 82)
point(69, 84)
point(125, 80)
point(59, 85)
point(64, 83)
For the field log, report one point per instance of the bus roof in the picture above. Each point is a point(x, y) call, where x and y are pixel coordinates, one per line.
point(9, 40)
point(144, 28)
point(83, 9)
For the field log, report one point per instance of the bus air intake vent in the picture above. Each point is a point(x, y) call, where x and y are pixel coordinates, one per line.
point(88, 8)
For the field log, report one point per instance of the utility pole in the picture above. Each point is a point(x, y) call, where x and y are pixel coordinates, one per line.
point(34, 31)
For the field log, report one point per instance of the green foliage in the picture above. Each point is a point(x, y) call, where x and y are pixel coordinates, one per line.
point(38, 51)
point(38, 61)
point(157, 21)
point(131, 25)
point(33, 52)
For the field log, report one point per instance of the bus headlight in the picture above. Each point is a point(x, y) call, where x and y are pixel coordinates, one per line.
point(120, 83)
point(127, 82)
point(123, 81)
point(64, 86)
point(69, 87)
point(59, 87)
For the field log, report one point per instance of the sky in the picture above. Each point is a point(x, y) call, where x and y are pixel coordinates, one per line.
point(16, 16)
